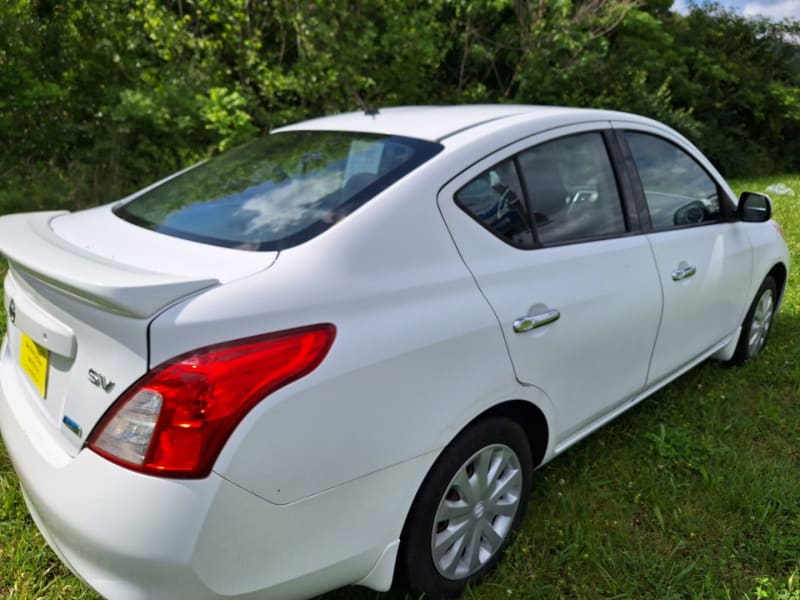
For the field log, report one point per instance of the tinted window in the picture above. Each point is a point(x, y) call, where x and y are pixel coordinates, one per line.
point(571, 189)
point(494, 198)
point(279, 190)
point(677, 189)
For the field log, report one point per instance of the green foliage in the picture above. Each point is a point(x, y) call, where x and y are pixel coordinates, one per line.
point(742, 83)
point(224, 113)
point(768, 589)
point(103, 96)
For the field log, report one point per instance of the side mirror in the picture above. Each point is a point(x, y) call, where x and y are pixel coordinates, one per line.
point(754, 207)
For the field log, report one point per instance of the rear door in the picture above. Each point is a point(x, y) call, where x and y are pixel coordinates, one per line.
point(543, 228)
point(704, 257)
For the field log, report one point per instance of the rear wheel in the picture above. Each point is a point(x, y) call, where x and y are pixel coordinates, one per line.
point(468, 508)
point(757, 323)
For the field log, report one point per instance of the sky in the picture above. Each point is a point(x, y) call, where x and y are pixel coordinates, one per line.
point(774, 9)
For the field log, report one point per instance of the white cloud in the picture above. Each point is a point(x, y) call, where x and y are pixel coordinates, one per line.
point(680, 6)
point(774, 10)
point(291, 206)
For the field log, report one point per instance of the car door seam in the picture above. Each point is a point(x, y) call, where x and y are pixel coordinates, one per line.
point(661, 312)
point(480, 291)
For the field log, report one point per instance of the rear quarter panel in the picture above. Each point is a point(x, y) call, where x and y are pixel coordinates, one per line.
point(418, 351)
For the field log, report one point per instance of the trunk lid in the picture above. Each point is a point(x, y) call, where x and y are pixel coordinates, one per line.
point(80, 293)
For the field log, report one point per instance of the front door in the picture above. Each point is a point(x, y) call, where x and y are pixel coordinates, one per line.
point(704, 260)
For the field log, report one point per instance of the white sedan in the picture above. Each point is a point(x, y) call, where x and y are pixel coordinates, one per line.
point(338, 353)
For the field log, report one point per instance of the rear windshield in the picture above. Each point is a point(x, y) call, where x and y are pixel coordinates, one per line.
point(277, 191)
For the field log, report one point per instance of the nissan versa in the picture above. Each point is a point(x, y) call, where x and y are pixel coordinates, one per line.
point(335, 355)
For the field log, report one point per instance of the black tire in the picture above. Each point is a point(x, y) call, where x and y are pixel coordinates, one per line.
point(757, 323)
point(497, 447)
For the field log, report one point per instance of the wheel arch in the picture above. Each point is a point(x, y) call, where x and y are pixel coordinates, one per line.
point(779, 273)
point(524, 413)
point(528, 416)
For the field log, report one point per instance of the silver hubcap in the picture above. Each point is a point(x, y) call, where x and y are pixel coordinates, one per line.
point(476, 512)
point(762, 319)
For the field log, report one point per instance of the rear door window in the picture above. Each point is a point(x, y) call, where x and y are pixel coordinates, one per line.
point(571, 189)
point(278, 191)
point(556, 192)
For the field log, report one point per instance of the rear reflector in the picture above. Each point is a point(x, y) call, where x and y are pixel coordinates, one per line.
point(174, 421)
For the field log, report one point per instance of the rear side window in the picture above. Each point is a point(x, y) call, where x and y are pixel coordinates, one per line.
point(571, 189)
point(678, 191)
point(278, 191)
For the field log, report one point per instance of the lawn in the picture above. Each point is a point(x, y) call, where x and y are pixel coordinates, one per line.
point(695, 493)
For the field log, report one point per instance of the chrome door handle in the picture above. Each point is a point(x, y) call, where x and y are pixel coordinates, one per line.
point(684, 271)
point(529, 322)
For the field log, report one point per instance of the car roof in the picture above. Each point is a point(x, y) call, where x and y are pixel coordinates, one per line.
point(436, 123)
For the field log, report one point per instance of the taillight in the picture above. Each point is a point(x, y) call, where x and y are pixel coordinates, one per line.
point(174, 420)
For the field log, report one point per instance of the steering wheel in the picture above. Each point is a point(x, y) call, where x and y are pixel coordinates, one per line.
point(508, 198)
point(690, 213)
point(580, 201)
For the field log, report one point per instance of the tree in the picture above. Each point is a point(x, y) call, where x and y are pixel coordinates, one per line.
point(98, 97)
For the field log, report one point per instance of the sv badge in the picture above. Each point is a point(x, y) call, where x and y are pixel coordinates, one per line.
point(100, 380)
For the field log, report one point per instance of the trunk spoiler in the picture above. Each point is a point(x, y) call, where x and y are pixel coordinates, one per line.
point(31, 246)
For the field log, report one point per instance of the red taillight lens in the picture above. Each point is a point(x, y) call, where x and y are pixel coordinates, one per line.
point(174, 421)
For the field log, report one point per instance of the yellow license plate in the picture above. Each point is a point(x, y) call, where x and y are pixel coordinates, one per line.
point(34, 361)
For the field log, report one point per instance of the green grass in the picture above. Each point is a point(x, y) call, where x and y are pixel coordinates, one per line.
point(695, 493)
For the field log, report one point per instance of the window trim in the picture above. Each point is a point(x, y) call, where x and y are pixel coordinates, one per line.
point(523, 186)
point(627, 165)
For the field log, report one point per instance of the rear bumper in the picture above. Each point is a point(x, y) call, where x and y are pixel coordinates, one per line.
point(132, 536)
